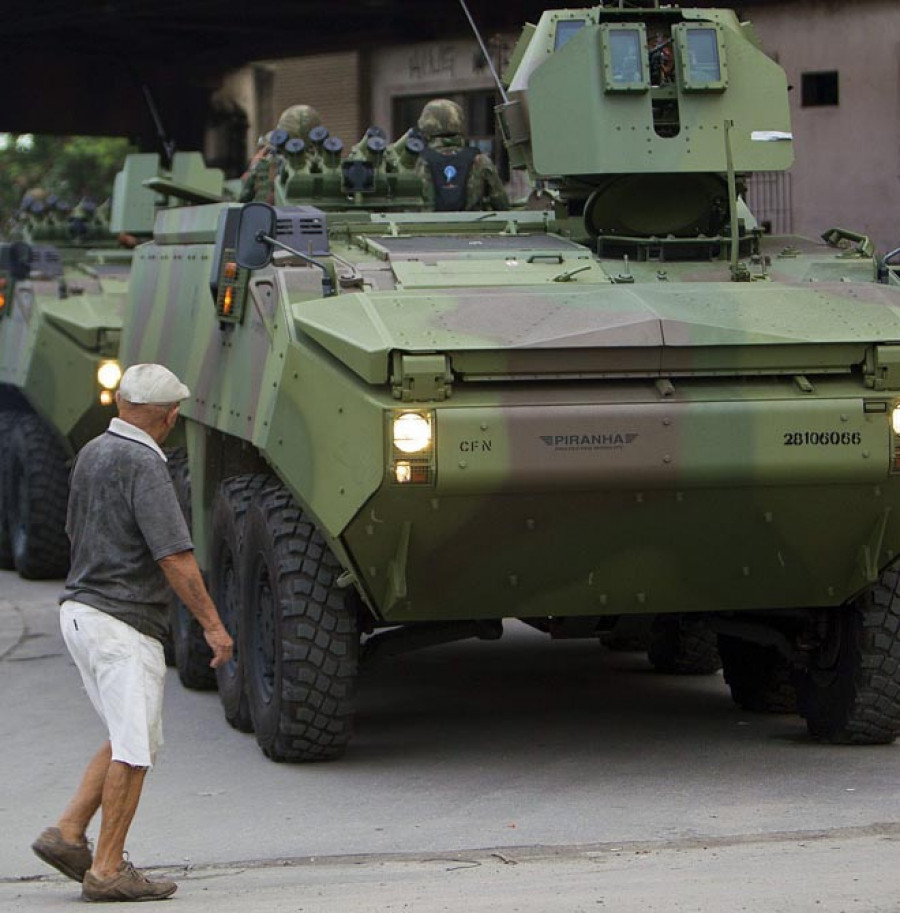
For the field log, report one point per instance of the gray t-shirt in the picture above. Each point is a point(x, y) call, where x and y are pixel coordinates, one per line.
point(123, 516)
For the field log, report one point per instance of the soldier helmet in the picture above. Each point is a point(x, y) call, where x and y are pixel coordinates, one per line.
point(32, 196)
point(441, 117)
point(298, 120)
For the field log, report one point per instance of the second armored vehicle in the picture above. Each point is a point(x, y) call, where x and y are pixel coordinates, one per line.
point(62, 286)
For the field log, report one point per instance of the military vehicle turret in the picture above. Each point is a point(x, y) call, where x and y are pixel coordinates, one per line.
point(63, 278)
point(409, 426)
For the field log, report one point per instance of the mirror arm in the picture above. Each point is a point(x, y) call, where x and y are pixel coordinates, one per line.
point(327, 284)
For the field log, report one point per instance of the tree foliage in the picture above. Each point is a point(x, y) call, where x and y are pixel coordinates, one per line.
point(72, 167)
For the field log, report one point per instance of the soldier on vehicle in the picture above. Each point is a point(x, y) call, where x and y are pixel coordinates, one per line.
point(456, 176)
point(258, 181)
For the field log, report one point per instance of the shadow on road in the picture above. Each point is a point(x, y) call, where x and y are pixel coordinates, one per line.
point(474, 699)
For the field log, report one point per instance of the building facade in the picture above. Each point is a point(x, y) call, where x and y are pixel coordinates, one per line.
point(386, 87)
point(843, 66)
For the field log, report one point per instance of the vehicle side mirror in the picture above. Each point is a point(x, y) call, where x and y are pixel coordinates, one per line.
point(256, 222)
point(16, 258)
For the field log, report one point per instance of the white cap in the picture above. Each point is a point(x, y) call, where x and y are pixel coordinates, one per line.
point(152, 384)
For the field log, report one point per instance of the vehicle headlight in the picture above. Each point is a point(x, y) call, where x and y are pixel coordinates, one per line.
point(109, 374)
point(895, 419)
point(412, 432)
point(412, 447)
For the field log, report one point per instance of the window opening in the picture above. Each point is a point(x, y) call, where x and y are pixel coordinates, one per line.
point(566, 29)
point(819, 89)
point(625, 50)
point(664, 90)
point(703, 56)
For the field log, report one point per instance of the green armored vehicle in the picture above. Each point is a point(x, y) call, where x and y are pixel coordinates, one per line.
point(63, 279)
point(630, 404)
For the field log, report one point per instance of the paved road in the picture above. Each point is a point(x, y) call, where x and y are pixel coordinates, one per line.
point(520, 775)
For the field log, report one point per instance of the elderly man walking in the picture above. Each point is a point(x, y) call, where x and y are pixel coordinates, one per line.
point(130, 549)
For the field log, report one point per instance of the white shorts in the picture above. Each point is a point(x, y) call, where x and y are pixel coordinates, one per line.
point(123, 672)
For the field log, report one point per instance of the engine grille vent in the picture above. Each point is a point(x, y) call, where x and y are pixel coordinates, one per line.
point(305, 228)
point(46, 262)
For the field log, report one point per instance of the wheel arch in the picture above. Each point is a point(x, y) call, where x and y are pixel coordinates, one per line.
point(213, 457)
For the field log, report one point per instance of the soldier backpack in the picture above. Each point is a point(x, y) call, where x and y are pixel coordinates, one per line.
point(449, 174)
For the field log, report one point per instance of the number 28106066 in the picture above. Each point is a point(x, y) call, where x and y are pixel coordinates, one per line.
point(822, 438)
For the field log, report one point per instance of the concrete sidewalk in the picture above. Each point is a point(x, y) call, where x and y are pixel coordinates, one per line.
point(800, 873)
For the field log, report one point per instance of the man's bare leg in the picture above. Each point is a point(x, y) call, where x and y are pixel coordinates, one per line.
point(84, 804)
point(121, 794)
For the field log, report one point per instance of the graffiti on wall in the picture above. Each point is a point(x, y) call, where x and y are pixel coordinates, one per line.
point(433, 60)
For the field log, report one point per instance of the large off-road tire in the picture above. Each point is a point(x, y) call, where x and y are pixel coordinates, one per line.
point(683, 645)
point(300, 634)
point(7, 423)
point(759, 677)
point(228, 514)
point(36, 491)
point(850, 693)
point(630, 634)
point(191, 652)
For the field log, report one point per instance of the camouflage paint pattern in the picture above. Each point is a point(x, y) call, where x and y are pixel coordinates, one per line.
point(441, 117)
point(559, 438)
point(258, 181)
point(298, 120)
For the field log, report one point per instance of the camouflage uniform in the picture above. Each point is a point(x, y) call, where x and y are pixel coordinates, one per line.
point(441, 123)
point(258, 181)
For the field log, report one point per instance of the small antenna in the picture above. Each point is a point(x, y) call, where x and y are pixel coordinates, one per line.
point(484, 51)
point(167, 144)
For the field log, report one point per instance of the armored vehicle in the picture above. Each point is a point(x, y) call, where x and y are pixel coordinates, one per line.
point(63, 279)
point(630, 403)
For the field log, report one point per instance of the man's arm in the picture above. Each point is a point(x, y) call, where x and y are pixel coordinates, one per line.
point(184, 576)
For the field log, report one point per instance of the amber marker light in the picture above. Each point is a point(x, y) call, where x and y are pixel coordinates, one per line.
point(416, 473)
